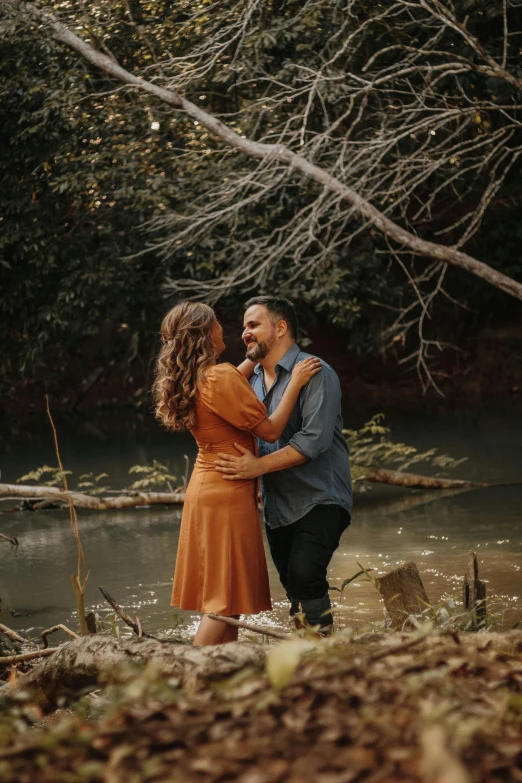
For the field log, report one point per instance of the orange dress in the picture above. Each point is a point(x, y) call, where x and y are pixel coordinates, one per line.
point(220, 565)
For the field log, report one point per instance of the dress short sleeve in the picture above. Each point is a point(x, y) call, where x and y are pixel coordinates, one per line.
point(227, 393)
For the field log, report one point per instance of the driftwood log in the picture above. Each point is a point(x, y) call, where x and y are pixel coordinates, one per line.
point(398, 478)
point(93, 661)
point(41, 496)
point(79, 500)
point(403, 593)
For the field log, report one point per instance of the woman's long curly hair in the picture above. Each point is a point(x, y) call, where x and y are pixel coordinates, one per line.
point(187, 351)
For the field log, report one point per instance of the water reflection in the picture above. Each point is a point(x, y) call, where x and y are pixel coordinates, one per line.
point(131, 553)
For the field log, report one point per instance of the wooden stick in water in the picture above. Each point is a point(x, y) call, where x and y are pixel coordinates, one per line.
point(13, 540)
point(136, 627)
point(248, 627)
point(11, 634)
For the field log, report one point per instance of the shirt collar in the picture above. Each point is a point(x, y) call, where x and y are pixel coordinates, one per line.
point(286, 361)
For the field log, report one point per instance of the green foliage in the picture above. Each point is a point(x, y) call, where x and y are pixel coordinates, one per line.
point(351, 579)
point(90, 484)
point(85, 167)
point(45, 476)
point(370, 447)
point(81, 172)
point(155, 476)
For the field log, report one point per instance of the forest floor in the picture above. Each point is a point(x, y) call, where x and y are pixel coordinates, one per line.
point(438, 708)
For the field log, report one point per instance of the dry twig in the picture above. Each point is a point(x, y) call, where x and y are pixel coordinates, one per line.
point(59, 627)
point(15, 637)
point(12, 539)
point(136, 626)
point(263, 629)
point(11, 660)
point(79, 579)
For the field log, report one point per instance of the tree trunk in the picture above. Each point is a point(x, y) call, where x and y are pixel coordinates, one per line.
point(101, 660)
point(403, 593)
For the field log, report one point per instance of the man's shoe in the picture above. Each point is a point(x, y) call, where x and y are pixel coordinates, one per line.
point(299, 620)
point(296, 615)
point(325, 630)
point(295, 607)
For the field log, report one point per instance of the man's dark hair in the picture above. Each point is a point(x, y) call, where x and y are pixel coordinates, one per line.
point(279, 309)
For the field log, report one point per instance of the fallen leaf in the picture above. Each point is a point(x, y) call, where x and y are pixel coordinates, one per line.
point(282, 661)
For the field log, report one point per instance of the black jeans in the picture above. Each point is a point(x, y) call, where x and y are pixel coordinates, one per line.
point(302, 552)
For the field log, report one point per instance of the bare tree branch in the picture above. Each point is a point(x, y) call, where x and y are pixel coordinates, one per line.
point(277, 156)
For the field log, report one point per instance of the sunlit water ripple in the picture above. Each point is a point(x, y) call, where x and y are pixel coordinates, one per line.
point(131, 553)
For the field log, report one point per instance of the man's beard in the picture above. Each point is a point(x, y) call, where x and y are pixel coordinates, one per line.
point(257, 351)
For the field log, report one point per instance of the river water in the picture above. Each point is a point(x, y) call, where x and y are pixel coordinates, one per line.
point(131, 553)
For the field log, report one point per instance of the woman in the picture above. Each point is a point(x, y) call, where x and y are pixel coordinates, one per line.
point(220, 565)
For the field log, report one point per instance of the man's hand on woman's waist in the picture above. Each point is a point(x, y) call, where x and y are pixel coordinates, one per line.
point(248, 466)
point(234, 467)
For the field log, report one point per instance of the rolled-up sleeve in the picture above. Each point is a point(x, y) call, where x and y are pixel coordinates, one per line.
point(319, 407)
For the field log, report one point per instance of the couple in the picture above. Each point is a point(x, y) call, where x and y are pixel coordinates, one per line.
point(290, 402)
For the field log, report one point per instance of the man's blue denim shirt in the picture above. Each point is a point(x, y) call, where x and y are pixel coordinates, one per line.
point(314, 430)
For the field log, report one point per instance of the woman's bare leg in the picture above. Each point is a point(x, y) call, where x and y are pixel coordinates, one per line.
point(230, 634)
point(214, 632)
point(209, 632)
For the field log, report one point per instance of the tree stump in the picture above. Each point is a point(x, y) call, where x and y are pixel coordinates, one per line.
point(474, 594)
point(403, 593)
point(90, 619)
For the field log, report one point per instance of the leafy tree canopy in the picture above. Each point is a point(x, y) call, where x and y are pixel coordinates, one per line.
point(86, 165)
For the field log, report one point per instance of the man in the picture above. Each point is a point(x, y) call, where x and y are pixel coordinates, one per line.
point(306, 482)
